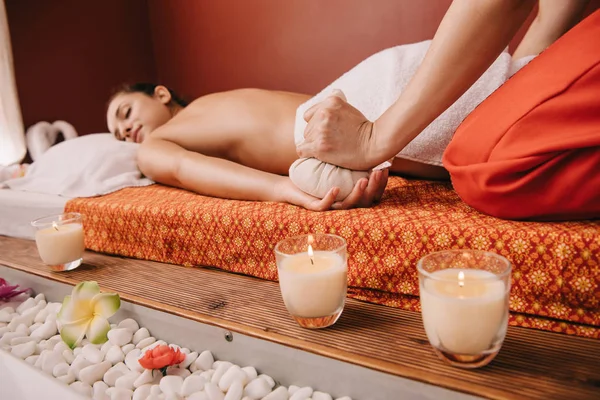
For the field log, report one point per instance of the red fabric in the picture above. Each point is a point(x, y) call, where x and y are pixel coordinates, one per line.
point(532, 149)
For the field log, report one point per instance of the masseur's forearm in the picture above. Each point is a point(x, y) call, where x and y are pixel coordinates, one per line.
point(170, 164)
point(471, 36)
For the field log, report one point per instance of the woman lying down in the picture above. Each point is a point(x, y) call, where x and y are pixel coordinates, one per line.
point(241, 144)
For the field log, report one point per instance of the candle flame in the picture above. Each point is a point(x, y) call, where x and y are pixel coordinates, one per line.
point(311, 254)
point(55, 225)
point(461, 279)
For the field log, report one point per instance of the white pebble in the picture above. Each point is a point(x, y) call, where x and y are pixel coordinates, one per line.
point(46, 331)
point(269, 380)
point(92, 354)
point(6, 315)
point(111, 376)
point(115, 355)
point(155, 390)
point(120, 336)
point(140, 335)
point(43, 354)
point(142, 392)
point(257, 388)
point(27, 304)
point(142, 344)
point(22, 329)
point(122, 367)
point(35, 326)
point(77, 351)
point(99, 388)
point(106, 346)
point(233, 374)
point(130, 324)
point(40, 297)
point(60, 369)
point(321, 396)
point(293, 389)
point(68, 378)
point(192, 384)
point(171, 384)
point(281, 393)
point(31, 359)
point(213, 392)
point(302, 394)
point(121, 394)
point(250, 373)
point(3, 330)
point(21, 340)
point(131, 360)
point(50, 361)
point(82, 388)
point(78, 364)
point(235, 391)
point(207, 374)
point(24, 350)
point(127, 348)
point(68, 356)
point(40, 317)
point(147, 377)
point(175, 370)
point(7, 337)
point(60, 347)
point(94, 372)
point(198, 396)
point(185, 350)
point(205, 360)
point(220, 370)
point(189, 359)
point(344, 398)
point(126, 381)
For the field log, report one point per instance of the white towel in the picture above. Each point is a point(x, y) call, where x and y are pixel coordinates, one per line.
point(374, 85)
point(86, 166)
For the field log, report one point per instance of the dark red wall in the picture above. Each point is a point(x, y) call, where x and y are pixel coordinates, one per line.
point(296, 45)
point(69, 53)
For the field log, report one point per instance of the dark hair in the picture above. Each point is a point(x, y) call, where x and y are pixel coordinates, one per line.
point(148, 89)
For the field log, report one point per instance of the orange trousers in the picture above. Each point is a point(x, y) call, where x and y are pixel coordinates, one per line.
point(532, 149)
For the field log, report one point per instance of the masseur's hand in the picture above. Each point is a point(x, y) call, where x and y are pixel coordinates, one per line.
point(365, 193)
point(339, 134)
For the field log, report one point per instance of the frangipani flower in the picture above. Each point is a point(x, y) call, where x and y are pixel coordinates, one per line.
point(86, 312)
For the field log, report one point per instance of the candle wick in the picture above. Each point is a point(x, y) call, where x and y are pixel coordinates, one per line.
point(312, 261)
point(55, 226)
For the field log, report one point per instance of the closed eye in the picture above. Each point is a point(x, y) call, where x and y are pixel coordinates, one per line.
point(128, 113)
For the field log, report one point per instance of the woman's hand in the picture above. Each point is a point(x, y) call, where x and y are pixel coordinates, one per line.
point(339, 134)
point(365, 194)
point(287, 192)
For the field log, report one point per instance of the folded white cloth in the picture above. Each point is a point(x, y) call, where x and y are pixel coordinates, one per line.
point(374, 85)
point(86, 166)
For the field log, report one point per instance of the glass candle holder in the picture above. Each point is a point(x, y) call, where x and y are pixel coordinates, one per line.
point(464, 304)
point(59, 240)
point(313, 277)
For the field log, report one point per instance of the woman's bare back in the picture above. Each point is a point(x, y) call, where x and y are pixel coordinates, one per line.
point(251, 127)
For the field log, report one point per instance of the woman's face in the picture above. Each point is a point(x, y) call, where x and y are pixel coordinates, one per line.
point(133, 116)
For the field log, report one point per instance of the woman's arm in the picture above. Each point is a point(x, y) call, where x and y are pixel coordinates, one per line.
point(470, 37)
point(170, 164)
point(553, 19)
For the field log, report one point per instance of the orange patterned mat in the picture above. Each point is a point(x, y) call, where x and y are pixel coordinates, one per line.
point(556, 276)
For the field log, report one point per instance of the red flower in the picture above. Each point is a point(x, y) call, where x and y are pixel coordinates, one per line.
point(161, 357)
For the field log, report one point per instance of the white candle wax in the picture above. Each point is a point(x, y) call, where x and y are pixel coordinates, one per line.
point(464, 319)
point(313, 290)
point(60, 244)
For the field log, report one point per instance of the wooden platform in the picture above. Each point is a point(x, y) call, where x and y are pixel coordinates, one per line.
point(531, 364)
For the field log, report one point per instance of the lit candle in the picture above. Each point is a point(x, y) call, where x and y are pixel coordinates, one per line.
point(464, 311)
point(60, 243)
